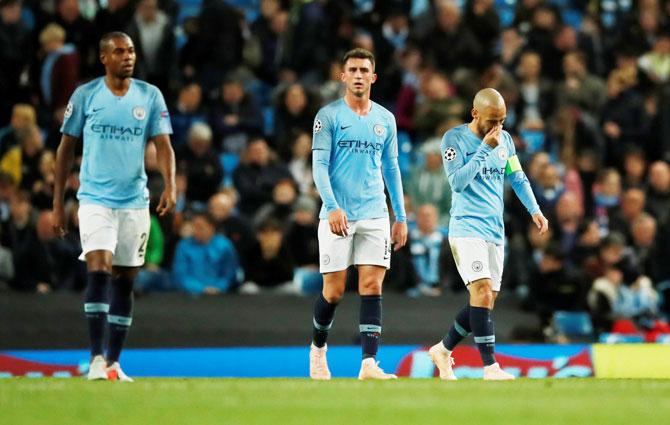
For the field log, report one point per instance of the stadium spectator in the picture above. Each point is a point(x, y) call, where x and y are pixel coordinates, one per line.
point(232, 225)
point(284, 195)
point(15, 54)
point(23, 117)
point(257, 175)
point(235, 116)
point(43, 188)
point(580, 89)
point(294, 113)
point(59, 72)
point(624, 118)
point(23, 162)
point(19, 234)
point(300, 164)
point(634, 169)
point(186, 112)
point(217, 48)
point(607, 192)
point(549, 186)
point(62, 256)
point(301, 235)
point(439, 106)
point(535, 93)
point(658, 193)
point(78, 31)
point(451, 44)
point(153, 33)
point(568, 218)
point(200, 162)
point(115, 17)
point(430, 252)
point(427, 184)
point(631, 207)
point(482, 19)
point(271, 262)
point(269, 29)
point(205, 263)
point(555, 287)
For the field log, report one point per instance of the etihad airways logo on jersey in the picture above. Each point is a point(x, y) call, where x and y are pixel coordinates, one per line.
point(115, 132)
point(360, 146)
point(489, 173)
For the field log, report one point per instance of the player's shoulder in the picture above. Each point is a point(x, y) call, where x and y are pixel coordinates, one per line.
point(85, 90)
point(453, 136)
point(383, 112)
point(331, 109)
point(508, 138)
point(146, 88)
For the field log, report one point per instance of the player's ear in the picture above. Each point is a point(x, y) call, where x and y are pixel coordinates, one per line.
point(475, 113)
point(374, 78)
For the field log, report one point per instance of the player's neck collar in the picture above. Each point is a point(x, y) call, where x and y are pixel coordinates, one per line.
point(112, 90)
point(349, 105)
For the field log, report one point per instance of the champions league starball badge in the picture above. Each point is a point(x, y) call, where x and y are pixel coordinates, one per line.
point(450, 154)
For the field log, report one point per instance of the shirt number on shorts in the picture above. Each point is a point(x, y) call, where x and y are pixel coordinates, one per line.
point(143, 245)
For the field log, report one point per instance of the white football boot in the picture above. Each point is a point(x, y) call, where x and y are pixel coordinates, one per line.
point(115, 373)
point(495, 373)
point(97, 369)
point(318, 365)
point(443, 360)
point(370, 370)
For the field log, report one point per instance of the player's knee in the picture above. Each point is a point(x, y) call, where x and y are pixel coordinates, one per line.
point(370, 287)
point(482, 295)
point(333, 295)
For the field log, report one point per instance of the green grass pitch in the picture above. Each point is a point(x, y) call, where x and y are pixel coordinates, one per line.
point(340, 401)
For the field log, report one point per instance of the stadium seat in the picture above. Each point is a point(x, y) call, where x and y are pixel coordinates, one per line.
point(617, 338)
point(573, 323)
point(229, 162)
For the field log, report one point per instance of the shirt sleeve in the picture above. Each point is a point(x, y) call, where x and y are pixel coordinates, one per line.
point(322, 139)
point(160, 116)
point(391, 173)
point(459, 173)
point(519, 181)
point(75, 115)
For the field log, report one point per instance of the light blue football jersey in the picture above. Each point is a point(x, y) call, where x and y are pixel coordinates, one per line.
point(353, 156)
point(476, 174)
point(115, 130)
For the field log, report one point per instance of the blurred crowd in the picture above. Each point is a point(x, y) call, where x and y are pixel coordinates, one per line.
point(586, 85)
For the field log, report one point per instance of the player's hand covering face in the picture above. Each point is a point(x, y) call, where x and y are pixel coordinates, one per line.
point(118, 57)
point(358, 75)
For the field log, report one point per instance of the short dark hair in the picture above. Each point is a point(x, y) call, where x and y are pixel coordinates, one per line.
point(358, 53)
point(205, 215)
point(110, 36)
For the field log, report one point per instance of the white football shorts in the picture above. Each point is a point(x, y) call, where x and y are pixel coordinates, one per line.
point(478, 259)
point(124, 232)
point(368, 243)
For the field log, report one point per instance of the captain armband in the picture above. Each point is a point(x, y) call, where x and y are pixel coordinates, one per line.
point(513, 165)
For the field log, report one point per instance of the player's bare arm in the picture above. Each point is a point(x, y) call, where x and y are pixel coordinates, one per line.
point(166, 164)
point(64, 160)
